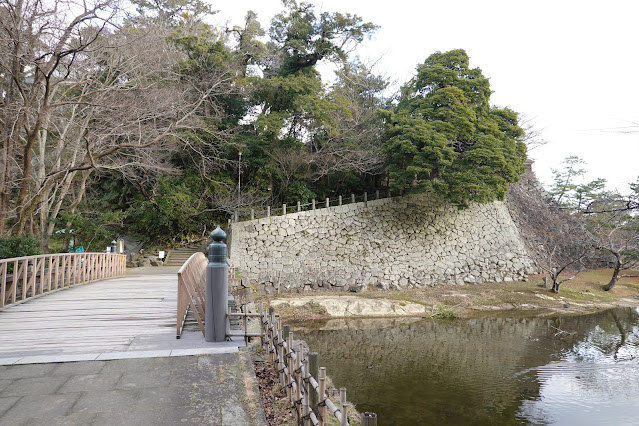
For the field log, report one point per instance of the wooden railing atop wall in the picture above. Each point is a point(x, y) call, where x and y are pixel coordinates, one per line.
point(22, 278)
point(191, 290)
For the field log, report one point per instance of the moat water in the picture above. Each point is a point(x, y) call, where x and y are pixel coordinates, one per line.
point(580, 370)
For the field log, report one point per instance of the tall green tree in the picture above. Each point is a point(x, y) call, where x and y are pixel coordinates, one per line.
point(445, 137)
point(302, 38)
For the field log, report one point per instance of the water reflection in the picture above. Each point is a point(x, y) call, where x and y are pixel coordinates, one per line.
point(572, 370)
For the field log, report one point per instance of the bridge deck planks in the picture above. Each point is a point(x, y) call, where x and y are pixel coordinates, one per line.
point(99, 316)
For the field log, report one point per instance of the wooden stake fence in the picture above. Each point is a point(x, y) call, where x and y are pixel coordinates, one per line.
point(22, 278)
point(297, 371)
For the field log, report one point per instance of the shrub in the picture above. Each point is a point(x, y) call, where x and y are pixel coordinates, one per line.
point(19, 247)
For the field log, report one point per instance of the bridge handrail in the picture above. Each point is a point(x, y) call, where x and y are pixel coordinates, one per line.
point(191, 290)
point(31, 276)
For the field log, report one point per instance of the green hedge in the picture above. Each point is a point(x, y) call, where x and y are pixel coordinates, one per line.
point(18, 247)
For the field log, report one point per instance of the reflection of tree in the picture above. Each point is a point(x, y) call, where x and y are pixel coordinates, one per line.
point(614, 337)
point(621, 331)
point(498, 370)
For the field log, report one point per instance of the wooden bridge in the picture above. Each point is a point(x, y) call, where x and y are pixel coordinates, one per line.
point(82, 306)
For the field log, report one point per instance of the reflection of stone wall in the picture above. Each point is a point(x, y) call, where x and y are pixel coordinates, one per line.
point(472, 365)
point(478, 371)
point(404, 241)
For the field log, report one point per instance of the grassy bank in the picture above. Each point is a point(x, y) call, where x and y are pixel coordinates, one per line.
point(582, 294)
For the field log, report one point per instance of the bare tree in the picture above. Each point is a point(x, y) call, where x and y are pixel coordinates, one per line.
point(40, 42)
point(87, 95)
point(616, 229)
point(559, 242)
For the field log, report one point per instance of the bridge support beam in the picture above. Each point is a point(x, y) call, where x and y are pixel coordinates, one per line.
point(217, 289)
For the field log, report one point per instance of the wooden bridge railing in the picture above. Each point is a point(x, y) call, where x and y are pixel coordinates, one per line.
point(22, 278)
point(191, 290)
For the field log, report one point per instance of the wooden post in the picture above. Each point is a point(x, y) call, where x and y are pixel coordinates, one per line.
point(369, 419)
point(283, 209)
point(298, 379)
point(262, 324)
point(252, 214)
point(306, 401)
point(245, 326)
point(291, 366)
point(3, 283)
point(268, 211)
point(328, 202)
point(313, 371)
point(365, 197)
point(271, 314)
point(280, 358)
point(322, 395)
point(352, 198)
point(237, 216)
point(25, 281)
point(339, 200)
point(50, 273)
point(34, 273)
point(377, 194)
point(343, 406)
point(299, 206)
point(41, 274)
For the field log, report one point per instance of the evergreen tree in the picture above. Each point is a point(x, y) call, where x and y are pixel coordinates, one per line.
point(444, 137)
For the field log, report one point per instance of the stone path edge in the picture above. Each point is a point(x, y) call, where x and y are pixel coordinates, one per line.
point(107, 356)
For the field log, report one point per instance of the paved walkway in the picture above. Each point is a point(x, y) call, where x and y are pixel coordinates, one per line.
point(106, 353)
point(189, 390)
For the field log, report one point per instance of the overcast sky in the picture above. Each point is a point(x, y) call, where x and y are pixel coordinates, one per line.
point(570, 66)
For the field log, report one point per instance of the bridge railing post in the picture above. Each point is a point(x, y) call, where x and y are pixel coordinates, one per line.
point(217, 289)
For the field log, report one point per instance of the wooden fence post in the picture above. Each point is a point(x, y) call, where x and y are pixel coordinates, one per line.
point(306, 401)
point(283, 209)
point(252, 214)
point(313, 371)
point(339, 200)
point(369, 419)
point(291, 367)
point(322, 395)
point(299, 206)
point(298, 379)
point(343, 406)
point(377, 194)
point(352, 198)
point(328, 202)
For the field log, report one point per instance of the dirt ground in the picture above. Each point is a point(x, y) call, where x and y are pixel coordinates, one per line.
point(580, 295)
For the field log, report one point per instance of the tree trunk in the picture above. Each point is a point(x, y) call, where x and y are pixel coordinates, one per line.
point(12, 123)
point(615, 273)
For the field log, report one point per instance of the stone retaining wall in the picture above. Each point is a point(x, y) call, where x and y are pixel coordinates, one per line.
point(389, 243)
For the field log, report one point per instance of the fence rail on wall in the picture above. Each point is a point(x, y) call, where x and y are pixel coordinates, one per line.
point(22, 278)
point(305, 383)
point(268, 211)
